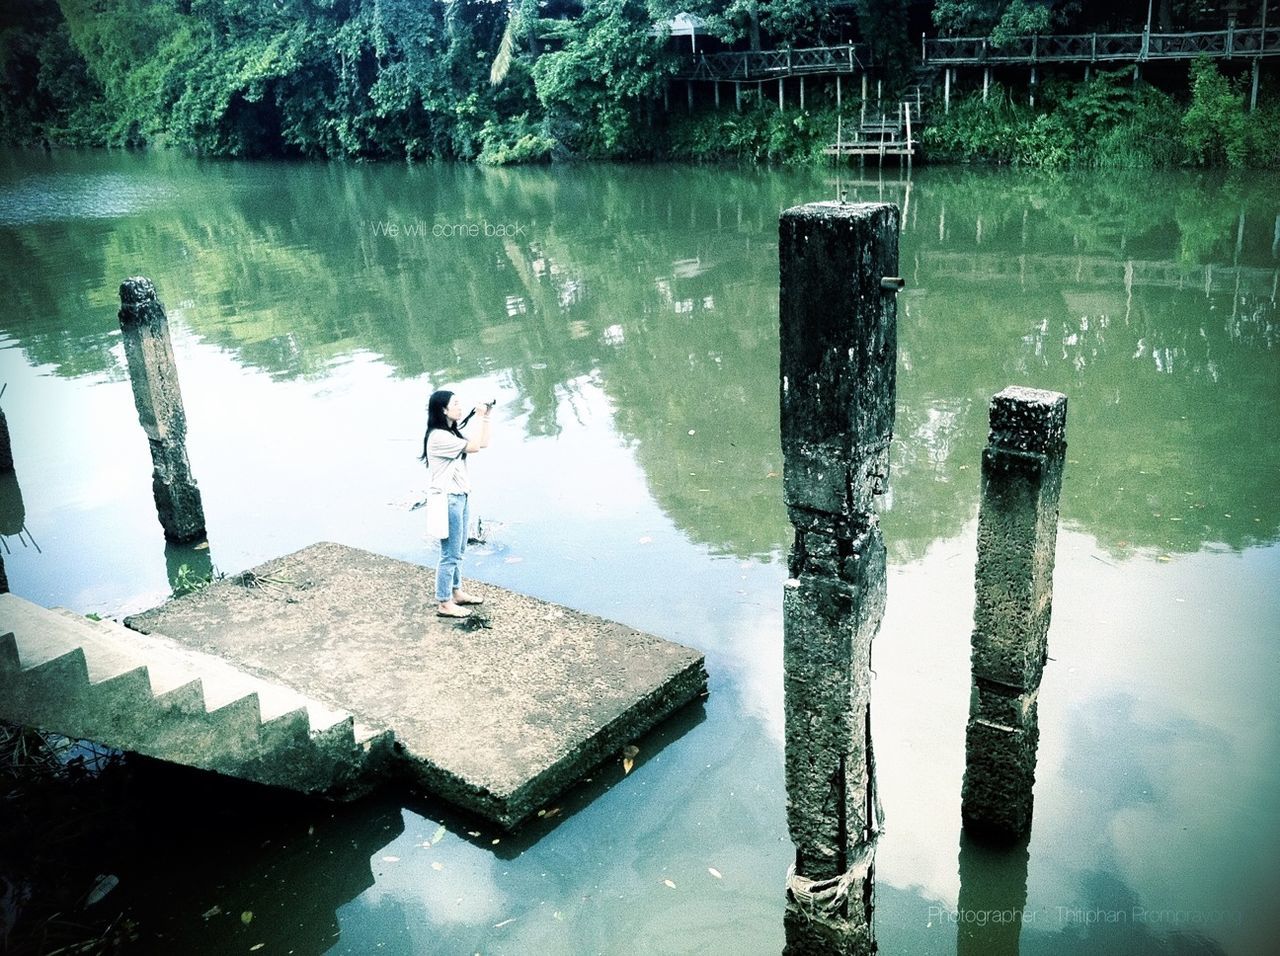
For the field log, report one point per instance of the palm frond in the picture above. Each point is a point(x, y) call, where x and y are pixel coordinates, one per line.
point(506, 51)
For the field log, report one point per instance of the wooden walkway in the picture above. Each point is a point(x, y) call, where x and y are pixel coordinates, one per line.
point(1102, 47)
point(774, 64)
point(1250, 42)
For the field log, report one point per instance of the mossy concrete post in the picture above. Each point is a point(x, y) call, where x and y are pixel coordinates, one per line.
point(838, 336)
point(1017, 531)
point(159, 401)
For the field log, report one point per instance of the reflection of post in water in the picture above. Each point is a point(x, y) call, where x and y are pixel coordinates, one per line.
point(159, 401)
point(190, 567)
point(993, 898)
point(1017, 530)
point(6, 448)
point(13, 513)
point(838, 356)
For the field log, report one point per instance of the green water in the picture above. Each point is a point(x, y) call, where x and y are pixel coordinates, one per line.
point(626, 321)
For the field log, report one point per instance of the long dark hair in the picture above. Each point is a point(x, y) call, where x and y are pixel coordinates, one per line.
point(436, 418)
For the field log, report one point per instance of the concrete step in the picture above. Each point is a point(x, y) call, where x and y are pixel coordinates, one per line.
point(97, 680)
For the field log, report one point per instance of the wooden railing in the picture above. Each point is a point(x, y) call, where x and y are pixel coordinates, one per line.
point(769, 64)
point(1095, 47)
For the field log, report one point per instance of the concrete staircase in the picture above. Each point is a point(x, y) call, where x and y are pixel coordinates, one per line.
point(99, 681)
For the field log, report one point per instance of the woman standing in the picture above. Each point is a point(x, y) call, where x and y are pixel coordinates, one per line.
point(445, 450)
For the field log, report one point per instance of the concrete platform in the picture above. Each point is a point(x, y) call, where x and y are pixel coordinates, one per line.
point(497, 719)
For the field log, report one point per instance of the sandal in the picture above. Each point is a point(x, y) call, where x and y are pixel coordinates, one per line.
point(464, 598)
point(455, 611)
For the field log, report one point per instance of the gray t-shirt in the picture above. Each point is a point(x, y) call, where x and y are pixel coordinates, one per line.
point(448, 469)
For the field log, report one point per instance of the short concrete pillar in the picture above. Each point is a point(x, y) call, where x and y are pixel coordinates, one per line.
point(159, 402)
point(838, 335)
point(1017, 531)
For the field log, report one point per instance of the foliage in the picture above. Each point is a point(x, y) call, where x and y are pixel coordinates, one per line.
point(599, 87)
point(188, 580)
point(1215, 128)
point(760, 134)
point(518, 140)
point(1103, 122)
point(529, 81)
point(999, 20)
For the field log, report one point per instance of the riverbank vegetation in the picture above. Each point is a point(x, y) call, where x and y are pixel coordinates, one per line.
point(1110, 121)
point(538, 80)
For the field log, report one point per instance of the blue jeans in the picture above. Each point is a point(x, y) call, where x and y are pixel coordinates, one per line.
point(452, 548)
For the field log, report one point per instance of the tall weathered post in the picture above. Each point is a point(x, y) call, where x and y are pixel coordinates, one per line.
point(159, 401)
point(838, 337)
point(1017, 531)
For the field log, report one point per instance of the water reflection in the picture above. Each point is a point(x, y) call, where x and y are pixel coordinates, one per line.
point(188, 565)
point(640, 308)
point(13, 513)
point(1154, 310)
point(273, 869)
point(993, 897)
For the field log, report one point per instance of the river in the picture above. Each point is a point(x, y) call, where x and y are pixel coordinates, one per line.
point(625, 319)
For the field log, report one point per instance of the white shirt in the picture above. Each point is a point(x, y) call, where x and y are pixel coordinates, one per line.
point(447, 467)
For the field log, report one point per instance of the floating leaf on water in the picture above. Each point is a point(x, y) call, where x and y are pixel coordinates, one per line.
point(505, 922)
point(391, 859)
point(257, 946)
point(473, 833)
point(311, 830)
point(772, 474)
point(630, 750)
point(438, 835)
point(554, 811)
point(1164, 558)
point(246, 917)
point(668, 883)
point(495, 842)
point(627, 764)
point(437, 865)
point(101, 888)
point(213, 910)
point(714, 872)
point(202, 546)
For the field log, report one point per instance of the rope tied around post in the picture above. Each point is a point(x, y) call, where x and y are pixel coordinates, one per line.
point(828, 897)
